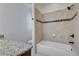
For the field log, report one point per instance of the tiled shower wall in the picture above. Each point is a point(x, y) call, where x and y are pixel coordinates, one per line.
point(38, 26)
point(75, 24)
point(62, 30)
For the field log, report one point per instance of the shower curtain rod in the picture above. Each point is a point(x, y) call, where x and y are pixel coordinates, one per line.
point(61, 20)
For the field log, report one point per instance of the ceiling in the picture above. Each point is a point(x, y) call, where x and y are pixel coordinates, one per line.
point(51, 7)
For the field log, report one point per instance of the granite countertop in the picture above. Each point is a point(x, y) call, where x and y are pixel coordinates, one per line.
point(13, 48)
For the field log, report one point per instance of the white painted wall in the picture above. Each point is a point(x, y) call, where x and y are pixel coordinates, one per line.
point(62, 30)
point(16, 22)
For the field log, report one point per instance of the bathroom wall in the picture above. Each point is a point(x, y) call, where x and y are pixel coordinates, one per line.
point(16, 22)
point(62, 30)
point(75, 24)
point(60, 14)
point(38, 26)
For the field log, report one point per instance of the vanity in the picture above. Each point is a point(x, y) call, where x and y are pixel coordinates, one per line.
point(13, 48)
point(25, 53)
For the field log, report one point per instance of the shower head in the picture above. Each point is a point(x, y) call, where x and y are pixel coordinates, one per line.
point(69, 7)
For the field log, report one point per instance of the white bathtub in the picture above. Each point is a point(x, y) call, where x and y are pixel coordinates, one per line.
point(47, 48)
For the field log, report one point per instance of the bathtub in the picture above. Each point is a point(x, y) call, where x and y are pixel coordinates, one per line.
point(47, 48)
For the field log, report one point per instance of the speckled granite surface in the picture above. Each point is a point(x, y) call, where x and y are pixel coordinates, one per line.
point(12, 48)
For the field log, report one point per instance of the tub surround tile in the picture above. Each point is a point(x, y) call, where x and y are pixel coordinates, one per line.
point(59, 20)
